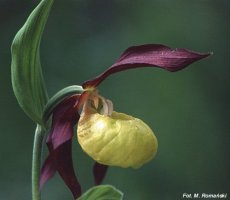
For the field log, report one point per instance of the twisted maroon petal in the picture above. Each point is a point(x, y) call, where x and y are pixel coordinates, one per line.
point(64, 119)
point(59, 143)
point(99, 172)
point(49, 168)
point(149, 55)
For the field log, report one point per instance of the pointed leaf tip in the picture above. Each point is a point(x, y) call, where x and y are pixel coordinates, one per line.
point(26, 72)
point(103, 192)
point(149, 55)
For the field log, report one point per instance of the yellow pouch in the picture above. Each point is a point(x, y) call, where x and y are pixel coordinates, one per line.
point(116, 140)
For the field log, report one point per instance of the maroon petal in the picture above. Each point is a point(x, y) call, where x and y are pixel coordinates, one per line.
point(60, 160)
point(59, 143)
point(149, 55)
point(49, 168)
point(65, 168)
point(64, 119)
point(99, 172)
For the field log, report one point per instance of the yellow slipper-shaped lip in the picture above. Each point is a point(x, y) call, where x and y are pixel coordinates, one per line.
point(116, 140)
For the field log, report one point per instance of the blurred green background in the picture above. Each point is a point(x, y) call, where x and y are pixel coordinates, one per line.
point(188, 110)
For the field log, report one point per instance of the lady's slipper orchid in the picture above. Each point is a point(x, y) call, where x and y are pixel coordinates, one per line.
point(110, 138)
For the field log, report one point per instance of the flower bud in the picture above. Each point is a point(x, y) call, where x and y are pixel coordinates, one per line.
point(116, 140)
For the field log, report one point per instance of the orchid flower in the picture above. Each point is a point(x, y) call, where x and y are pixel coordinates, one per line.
point(110, 138)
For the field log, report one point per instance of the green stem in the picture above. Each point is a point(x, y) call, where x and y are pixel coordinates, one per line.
point(36, 162)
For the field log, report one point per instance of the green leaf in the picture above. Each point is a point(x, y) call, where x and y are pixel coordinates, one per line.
point(59, 97)
point(102, 192)
point(26, 72)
